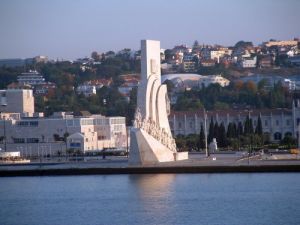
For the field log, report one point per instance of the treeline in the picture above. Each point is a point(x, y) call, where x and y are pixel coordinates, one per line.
point(237, 95)
point(67, 76)
point(236, 136)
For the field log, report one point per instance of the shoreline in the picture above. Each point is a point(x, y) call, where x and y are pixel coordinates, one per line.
point(153, 169)
point(197, 163)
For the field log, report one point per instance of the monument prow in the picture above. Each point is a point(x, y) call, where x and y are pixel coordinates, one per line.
point(151, 137)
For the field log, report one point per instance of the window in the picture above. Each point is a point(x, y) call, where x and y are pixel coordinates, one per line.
point(87, 122)
point(101, 137)
point(76, 122)
point(23, 123)
point(69, 123)
point(75, 145)
point(191, 124)
point(18, 140)
point(179, 125)
point(266, 123)
point(33, 123)
point(277, 136)
point(117, 127)
point(277, 122)
point(287, 122)
point(32, 140)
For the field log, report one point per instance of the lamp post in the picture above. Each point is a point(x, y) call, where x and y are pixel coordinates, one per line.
point(4, 126)
point(250, 132)
point(205, 134)
point(127, 147)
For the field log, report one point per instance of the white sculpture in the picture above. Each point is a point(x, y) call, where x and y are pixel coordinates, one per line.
point(151, 137)
point(213, 147)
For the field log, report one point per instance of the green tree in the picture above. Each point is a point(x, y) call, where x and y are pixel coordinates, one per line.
point(248, 126)
point(216, 131)
point(222, 136)
point(230, 130)
point(211, 131)
point(202, 138)
point(258, 129)
point(96, 56)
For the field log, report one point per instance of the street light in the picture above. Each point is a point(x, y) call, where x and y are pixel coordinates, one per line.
point(4, 121)
point(205, 134)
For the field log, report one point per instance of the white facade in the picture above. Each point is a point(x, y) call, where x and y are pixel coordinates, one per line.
point(86, 90)
point(47, 136)
point(213, 79)
point(275, 122)
point(291, 85)
point(248, 62)
point(17, 100)
point(31, 78)
point(127, 87)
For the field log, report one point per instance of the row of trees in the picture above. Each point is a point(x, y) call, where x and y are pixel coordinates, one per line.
point(241, 135)
point(67, 76)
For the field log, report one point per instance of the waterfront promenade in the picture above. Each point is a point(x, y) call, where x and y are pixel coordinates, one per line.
point(197, 163)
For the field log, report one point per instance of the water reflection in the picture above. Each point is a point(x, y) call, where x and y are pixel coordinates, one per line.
point(153, 185)
point(155, 193)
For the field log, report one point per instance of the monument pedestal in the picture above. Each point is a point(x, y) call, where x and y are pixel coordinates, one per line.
point(146, 150)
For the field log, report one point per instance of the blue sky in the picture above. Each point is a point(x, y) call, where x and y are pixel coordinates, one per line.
point(71, 29)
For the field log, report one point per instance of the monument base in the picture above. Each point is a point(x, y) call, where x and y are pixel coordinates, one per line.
point(145, 150)
point(181, 156)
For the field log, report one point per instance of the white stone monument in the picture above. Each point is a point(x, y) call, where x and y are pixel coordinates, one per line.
point(151, 139)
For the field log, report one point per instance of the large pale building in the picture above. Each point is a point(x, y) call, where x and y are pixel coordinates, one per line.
point(276, 123)
point(53, 135)
point(30, 133)
point(17, 101)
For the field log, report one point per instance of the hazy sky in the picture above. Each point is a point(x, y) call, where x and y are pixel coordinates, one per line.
point(71, 29)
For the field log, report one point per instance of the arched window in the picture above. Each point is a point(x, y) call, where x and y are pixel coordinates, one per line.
point(277, 136)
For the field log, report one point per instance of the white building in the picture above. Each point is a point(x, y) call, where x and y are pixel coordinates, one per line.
point(213, 79)
point(53, 135)
point(218, 53)
point(183, 81)
point(127, 87)
point(248, 62)
point(17, 101)
point(288, 83)
point(31, 78)
point(86, 90)
point(276, 123)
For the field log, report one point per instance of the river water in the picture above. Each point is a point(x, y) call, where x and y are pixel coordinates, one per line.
point(212, 199)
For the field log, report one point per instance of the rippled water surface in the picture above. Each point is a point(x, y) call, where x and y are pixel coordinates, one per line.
point(268, 198)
